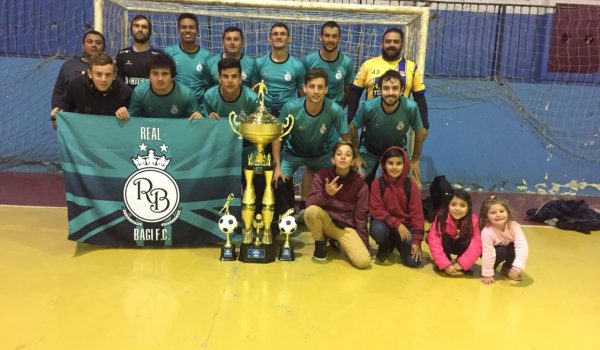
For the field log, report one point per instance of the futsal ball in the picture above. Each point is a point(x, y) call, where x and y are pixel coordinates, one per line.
point(288, 225)
point(227, 223)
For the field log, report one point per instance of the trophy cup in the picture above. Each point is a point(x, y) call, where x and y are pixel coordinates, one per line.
point(287, 226)
point(260, 128)
point(227, 224)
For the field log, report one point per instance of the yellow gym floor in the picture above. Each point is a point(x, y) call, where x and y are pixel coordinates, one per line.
point(57, 294)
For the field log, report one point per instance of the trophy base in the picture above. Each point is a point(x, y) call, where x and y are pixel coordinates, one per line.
point(262, 254)
point(287, 254)
point(228, 254)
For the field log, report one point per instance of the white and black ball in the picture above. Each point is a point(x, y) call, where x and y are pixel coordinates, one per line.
point(227, 223)
point(288, 225)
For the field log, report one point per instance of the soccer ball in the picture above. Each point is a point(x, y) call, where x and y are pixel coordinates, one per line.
point(227, 223)
point(287, 225)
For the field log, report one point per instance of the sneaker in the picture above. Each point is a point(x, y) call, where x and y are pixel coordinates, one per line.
point(320, 251)
point(386, 262)
point(383, 251)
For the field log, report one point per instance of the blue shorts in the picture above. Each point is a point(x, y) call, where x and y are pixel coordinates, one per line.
point(370, 159)
point(290, 162)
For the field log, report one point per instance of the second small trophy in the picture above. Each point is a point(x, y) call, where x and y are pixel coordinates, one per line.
point(227, 224)
point(287, 226)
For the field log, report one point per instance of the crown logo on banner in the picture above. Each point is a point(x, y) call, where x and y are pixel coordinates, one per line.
point(151, 161)
point(151, 195)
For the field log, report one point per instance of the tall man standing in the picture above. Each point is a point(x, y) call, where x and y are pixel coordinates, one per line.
point(340, 70)
point(190, 59)
point(283, 74)
point(93, 44)
point(233, 42)
point(339, 66)
point(386, 120)
point(131, 61)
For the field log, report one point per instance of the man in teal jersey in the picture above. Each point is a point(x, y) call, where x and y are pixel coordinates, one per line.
point(386, 120)
point(230, 95)
point(340, 70)
point(190, 59)
point(161, 96)
point(314, 118)
point(338, 65)
point(233, 42)
point(283, 74)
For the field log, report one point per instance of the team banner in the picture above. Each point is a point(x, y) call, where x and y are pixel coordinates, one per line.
point(147, 181)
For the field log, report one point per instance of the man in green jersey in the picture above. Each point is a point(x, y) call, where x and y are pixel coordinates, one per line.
point(314, 118)
point(233, 43)
point(190, 59)
point(230, 95)
point(161, 96)
point(386, 120)
point(283, 74)
point(339, 66)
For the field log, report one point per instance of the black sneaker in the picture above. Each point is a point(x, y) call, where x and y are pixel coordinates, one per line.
point(383, 252)
point(320, 251)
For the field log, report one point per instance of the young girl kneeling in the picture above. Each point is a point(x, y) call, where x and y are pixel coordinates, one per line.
point(337, 207)
point(455, 231)
point(502, 240)
point(396, 210)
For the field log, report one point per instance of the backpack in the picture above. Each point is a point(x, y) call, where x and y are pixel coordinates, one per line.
point(440, 190)
point(407, 187)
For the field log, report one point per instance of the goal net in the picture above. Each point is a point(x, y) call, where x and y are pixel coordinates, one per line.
point(538, 62)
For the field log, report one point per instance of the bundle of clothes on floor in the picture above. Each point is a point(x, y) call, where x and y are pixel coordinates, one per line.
point(570, 214)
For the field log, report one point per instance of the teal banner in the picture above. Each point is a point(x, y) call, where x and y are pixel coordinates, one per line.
point(147, 181)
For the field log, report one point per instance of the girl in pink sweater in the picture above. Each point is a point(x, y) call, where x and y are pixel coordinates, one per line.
point(455, 231)
point(502, 241)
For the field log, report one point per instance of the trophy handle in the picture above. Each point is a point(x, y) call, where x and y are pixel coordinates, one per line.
point(289, 124)
point(233, 121)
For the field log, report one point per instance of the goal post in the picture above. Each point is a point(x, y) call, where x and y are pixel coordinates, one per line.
point(363, 23)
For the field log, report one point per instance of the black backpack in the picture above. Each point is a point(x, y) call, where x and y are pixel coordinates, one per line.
point(407, 187)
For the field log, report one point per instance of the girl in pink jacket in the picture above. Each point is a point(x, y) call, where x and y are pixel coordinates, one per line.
point(502, 241)
point(455, 231)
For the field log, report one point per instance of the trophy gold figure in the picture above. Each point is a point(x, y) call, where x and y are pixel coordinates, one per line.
point(261, 128)
point(227, 225)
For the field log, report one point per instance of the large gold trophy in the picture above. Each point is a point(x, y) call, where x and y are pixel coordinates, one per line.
point(260, 128)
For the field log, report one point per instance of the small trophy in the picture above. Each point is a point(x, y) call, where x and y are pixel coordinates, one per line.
point(287, 226)
point(228, 224)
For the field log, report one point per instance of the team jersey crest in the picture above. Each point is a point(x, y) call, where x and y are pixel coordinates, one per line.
point(323, 129)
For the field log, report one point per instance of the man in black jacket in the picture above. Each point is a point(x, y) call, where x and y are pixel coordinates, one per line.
point(97, 92)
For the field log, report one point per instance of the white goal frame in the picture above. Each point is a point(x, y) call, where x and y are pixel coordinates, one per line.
point(413, 13)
